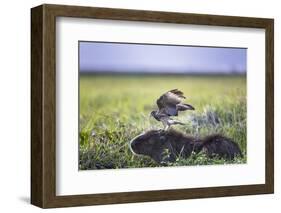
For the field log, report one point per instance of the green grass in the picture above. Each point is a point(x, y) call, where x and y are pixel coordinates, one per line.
point(114, 109)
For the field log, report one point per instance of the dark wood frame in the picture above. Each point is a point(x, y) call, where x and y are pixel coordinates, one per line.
point(43, 105)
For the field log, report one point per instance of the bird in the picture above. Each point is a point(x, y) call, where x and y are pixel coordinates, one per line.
point(169, 104)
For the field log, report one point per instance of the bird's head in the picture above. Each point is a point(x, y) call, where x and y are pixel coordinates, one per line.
point(153, 113)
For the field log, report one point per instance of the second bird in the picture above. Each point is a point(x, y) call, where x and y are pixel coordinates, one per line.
point(169, 104)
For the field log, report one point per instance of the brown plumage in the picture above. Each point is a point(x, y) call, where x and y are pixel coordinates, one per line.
point(169, 104)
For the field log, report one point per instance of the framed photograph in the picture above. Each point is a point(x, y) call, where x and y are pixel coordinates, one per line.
point(136, 106)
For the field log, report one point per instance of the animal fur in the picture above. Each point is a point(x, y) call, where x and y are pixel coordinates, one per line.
point(156, 144)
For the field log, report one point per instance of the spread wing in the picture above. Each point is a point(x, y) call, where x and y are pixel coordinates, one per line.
point(167, 103)
point(177, 93)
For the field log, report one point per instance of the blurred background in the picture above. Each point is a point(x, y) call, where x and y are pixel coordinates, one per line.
point(100, 57)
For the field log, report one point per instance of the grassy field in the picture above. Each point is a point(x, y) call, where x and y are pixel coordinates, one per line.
point(113, 110)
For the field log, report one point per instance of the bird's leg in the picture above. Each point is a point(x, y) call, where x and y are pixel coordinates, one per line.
point(166, 123)
point(167, 127)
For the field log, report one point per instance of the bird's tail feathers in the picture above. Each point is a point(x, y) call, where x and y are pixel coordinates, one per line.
point(183, 107)
point(177, 122)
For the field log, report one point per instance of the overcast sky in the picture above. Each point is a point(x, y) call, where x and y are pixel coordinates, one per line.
point(122, 57)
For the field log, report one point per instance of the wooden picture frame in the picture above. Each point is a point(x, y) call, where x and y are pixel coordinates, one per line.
point(43, 105)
